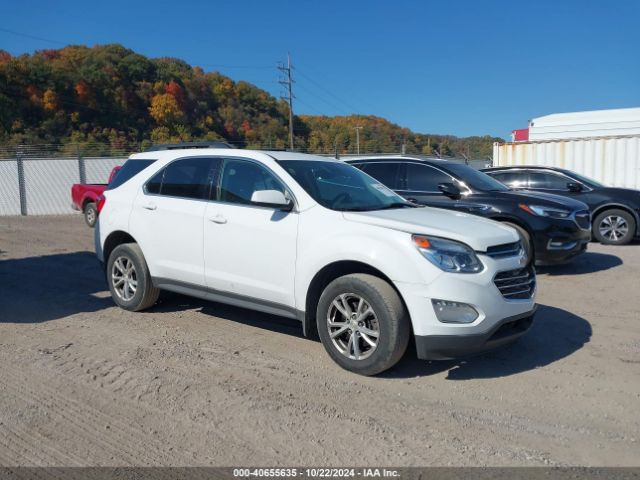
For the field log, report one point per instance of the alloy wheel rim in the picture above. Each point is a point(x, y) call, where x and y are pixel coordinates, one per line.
point(124, 278)
point(353, 326)
point(613, 227)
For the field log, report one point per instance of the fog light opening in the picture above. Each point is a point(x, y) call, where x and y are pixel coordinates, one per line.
point(561, 245)
point(454, 312)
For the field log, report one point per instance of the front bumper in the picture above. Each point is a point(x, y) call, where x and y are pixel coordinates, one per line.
point(446, 347)
point(557, 241)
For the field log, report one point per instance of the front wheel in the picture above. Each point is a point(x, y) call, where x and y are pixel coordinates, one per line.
point(90, 214)
point(614, 227)
point(129, 278)
point(363, 324)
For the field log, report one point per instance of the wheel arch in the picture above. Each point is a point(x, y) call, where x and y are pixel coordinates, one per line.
point(326, 275)
point(115, 238)
point(615, 206)
point(514, 220)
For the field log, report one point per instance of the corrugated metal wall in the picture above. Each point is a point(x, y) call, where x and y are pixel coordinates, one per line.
point(9, 191)
point(614, 161)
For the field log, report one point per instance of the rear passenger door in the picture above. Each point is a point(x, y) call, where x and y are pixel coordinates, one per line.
point(167, 220)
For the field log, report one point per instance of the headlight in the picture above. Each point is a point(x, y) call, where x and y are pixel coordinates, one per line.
point(448, 255)
point(545, 211)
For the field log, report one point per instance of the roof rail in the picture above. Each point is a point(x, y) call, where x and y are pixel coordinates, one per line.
point(179, 146)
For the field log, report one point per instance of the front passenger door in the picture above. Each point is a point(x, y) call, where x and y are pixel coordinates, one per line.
point(250, 250)
point(421, 186)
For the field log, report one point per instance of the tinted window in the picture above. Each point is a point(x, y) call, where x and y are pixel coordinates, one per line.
point(387, 173)
point(187, 178)
point(512, 179)
point(474, 179)
point(153, 185)
point(340, 186)
point(240, 178)
point(547, 180)
point(425, 178)
point(130, 169)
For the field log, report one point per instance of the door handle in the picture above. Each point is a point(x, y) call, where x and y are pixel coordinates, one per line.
point(150, 206)
point(218, 219)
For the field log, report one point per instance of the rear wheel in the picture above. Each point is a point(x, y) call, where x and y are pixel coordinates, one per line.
point(129, 278)
point(363, 324)
point(90, 214)
point(525, 238)
point(614, 227)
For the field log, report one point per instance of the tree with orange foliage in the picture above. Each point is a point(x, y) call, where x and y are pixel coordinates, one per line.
point(165, 110)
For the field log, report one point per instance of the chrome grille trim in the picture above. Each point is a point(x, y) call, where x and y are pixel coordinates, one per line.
point(505, 250)
point(510, 283)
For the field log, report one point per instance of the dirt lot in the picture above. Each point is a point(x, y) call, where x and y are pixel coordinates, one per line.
point(194, 383)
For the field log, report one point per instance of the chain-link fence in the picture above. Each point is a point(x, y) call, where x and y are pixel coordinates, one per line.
point(37, 179)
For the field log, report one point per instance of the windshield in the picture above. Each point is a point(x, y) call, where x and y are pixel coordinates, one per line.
point(475, 179)
point(589, 181)
point(339, 186)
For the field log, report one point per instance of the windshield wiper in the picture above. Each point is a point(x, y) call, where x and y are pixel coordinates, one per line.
point(398, 205)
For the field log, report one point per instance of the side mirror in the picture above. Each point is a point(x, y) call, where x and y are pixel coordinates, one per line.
point(574, 187)
point(272, 199)
point(449, 189)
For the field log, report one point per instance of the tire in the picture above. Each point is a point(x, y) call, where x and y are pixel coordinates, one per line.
point(614, 227)
point(388, 317)
point(91, 214)
point(525, 238)
point(121, 259)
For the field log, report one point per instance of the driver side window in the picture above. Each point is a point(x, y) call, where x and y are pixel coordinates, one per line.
point(241, 178)
point(423, 178)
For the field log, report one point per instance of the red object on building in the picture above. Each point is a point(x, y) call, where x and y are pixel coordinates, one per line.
point(520, 135)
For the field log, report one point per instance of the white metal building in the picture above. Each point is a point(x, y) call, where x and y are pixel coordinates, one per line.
point(602, 144)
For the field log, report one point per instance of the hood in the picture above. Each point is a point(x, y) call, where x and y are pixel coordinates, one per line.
point(479, 233)
point(543, 199)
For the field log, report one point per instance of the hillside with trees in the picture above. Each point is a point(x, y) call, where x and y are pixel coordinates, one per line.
point(108, 97)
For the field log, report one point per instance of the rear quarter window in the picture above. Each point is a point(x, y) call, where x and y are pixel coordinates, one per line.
point(129, 170)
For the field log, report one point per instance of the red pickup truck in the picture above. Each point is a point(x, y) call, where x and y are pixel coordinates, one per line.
point(84, 197)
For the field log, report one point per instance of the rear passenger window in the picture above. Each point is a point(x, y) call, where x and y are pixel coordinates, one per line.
point(512, 179)
point(549, 181)
point(187, 178)
point(385, 173)
point(130, 169)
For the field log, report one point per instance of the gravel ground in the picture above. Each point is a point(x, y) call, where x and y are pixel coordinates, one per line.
point(195, 383)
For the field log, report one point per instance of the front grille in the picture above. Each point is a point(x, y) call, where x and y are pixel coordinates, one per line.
point(583, 219)
point(516, 284)
point(505, 250)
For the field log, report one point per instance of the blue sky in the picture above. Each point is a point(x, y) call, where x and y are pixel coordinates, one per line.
point(455, 67)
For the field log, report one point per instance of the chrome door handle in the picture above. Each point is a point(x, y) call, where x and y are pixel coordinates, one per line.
point(218, 219)
point(150, 206)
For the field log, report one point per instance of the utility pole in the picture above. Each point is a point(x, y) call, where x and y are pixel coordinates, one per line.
point(358, 128)
point(287, 82)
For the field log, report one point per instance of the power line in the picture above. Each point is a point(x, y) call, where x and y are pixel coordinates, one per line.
point(328, 102)
point(32, 37)
point(319, 86)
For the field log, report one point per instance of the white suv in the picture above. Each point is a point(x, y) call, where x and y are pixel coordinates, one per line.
point(317, 240)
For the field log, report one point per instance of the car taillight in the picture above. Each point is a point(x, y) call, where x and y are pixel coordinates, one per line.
point(101, 201)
